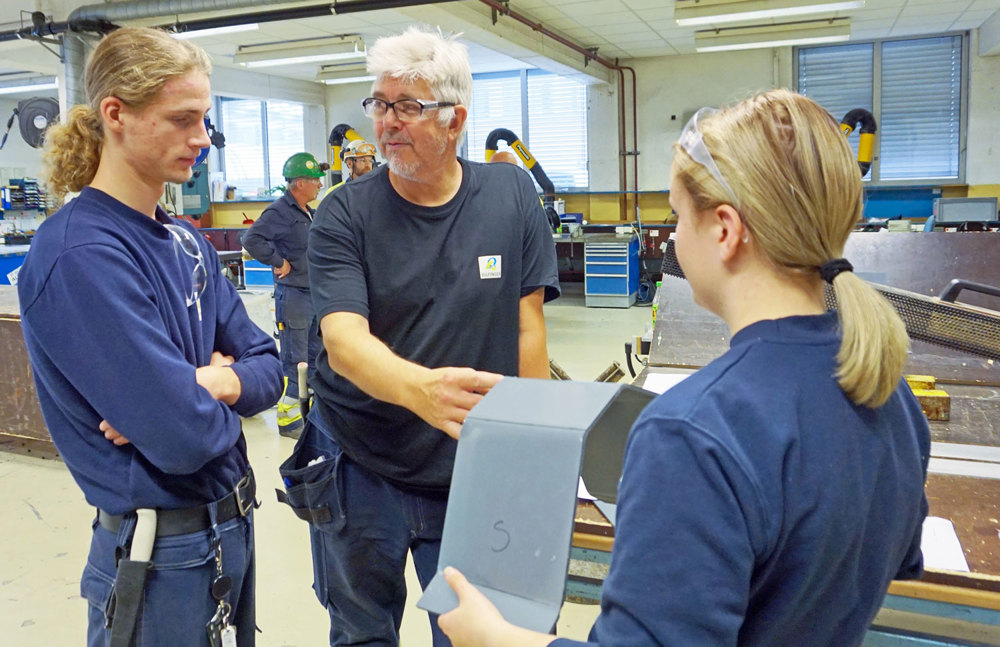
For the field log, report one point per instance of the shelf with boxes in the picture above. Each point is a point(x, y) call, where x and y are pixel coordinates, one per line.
point(23, 194)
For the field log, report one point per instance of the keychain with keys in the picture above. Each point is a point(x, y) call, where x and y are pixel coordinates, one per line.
point(220, 632)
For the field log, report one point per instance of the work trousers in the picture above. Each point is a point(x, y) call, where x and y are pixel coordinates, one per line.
point(176, 603)
point(359, 552)
point(298, 332)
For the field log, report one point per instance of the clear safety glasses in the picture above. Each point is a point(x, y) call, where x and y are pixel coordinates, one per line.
point(185, 242)
point(693, 143)
point(407, 110)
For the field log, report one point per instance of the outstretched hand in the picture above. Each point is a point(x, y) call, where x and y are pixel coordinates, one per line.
point(446, 395)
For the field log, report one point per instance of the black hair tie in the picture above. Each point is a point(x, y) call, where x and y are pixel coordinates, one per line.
point(830, 269)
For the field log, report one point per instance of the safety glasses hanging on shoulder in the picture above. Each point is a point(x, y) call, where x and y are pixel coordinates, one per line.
point(185, 243)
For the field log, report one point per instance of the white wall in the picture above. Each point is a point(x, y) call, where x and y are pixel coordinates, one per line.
point(982, 164)
point(670, 90)
point(343, 106)
point(16, 154)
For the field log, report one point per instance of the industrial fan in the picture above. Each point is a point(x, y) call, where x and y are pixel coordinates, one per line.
point(33, 116)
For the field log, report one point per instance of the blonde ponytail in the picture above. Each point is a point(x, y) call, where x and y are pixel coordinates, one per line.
point(800, 195)
point(72, 151)
point(873, 342)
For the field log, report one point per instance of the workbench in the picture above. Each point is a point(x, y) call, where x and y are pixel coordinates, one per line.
point(22, 428)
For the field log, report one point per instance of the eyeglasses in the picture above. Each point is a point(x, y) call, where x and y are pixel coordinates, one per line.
point(694, 144)
point(186, 243)
point(406, 110)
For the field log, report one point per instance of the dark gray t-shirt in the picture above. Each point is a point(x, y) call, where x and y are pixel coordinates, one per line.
point(441, 286)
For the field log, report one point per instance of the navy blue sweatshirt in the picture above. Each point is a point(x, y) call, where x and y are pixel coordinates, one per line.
point(759, 506)
point(104, 306)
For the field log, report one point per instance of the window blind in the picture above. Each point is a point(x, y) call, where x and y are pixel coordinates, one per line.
point(921, 108)
point(496, 103)
point(557, 128)
point(838, 78)
point(244, 151)
point(285, 136)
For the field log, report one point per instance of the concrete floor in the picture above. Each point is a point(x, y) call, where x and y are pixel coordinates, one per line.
point(47, 523)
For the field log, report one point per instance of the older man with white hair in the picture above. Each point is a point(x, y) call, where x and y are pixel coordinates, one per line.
point(428, 275)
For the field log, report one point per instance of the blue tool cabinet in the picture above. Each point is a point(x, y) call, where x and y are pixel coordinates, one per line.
point(258, 274)
point(611, 276)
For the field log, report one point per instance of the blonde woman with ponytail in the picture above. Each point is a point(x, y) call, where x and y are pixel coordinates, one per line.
point(143, 355)
point(771, 497)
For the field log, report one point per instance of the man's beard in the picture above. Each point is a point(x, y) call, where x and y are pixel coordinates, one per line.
point(411, 170)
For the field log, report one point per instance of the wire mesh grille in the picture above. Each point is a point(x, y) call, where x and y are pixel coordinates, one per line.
point(927, 319)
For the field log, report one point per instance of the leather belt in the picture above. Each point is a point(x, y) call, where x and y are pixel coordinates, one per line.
point(183, 521)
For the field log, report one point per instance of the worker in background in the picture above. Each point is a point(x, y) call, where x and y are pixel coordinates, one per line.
point(279, 238)
point(359, 158)
point(505, 157)
point(143, 355)
point(428, 275)
point(771, 497)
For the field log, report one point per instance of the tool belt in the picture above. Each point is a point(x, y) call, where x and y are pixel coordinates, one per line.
point(183, 521)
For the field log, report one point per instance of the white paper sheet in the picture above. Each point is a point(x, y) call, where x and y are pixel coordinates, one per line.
point(940, 546)
point(660, 382)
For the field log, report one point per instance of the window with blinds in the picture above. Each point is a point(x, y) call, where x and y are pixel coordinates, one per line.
point(496, 103)
point(838, 78)
point(260, 136)
point(916, 98)
point(557, 128)
point(546, 111)
point(921, 117)
point(285, 136)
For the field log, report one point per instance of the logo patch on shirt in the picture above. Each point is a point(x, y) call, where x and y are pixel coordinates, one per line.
point(489, 267)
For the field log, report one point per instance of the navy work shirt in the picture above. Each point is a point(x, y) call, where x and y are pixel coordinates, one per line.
point(282, 233)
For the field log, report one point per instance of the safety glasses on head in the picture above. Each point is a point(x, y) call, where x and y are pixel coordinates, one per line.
point(186, 244)
point(693, 143)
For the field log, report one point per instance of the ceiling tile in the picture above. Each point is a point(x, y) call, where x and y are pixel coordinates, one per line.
point(563, 23)
point(542, 14)
point(644, 4)
point(657, 13)
point(591, 7)
point(613, 18)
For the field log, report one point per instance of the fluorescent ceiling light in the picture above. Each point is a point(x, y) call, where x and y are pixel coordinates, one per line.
point(214, 31)
point(341, 71)
point(350, 79)
point(713, 12)
point(310, 58)
point(309, 50)
point(810, 32)
point(35, 87)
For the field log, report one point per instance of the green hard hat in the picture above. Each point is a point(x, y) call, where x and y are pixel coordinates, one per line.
point(301, 165)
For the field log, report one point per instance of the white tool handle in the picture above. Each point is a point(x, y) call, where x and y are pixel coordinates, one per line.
point(303, 369)
point(145, 534)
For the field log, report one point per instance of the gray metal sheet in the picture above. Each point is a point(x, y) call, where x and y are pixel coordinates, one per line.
point(513, 491)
